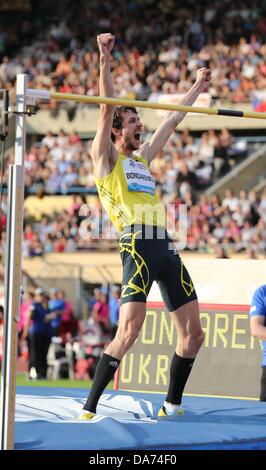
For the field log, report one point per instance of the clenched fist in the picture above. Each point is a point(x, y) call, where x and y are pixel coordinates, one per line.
point(105, 43)
point(203, 78)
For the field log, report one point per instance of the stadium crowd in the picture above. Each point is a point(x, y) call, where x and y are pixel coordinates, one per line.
point(60, 54)
point(236, 223)
point(62, 163)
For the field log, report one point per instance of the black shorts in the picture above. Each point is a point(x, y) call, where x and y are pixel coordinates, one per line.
point(148, 255)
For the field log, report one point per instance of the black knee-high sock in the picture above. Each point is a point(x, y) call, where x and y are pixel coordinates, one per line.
point(105, 371)
point(179, 372)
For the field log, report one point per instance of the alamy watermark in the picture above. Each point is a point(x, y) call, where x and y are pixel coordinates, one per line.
point(96, 225)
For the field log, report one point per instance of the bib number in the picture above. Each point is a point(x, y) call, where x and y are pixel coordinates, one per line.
point(138, 177)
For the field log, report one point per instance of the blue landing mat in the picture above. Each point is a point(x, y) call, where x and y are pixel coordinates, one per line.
point(46, 419)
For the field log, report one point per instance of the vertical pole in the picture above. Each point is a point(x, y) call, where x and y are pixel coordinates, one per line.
point(13, 272)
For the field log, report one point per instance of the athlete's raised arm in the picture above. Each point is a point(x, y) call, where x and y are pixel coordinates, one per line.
point(103, 150)
point(151, 148)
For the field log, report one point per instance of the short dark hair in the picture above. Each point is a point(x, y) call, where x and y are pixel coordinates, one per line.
point(117, 119)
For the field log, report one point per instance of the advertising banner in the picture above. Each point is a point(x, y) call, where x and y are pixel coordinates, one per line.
point(228, 364)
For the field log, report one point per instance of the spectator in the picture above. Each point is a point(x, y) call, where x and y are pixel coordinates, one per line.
point(230, 200)
point(24, 323)
point(220, 252)
point(40, 333)
point(234, 49)
point(258, 329)
point(68, 325)
point(94, 299)
point(57, 305)
point(100, 313)
point(114, 309)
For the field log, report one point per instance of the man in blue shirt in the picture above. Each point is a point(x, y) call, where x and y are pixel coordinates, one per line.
point(40, 332)
point(258, 329)
point(57, 305)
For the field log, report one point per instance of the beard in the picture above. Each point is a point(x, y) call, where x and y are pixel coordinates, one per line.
point(130, 145)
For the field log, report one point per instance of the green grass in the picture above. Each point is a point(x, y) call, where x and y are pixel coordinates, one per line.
point(60, 383)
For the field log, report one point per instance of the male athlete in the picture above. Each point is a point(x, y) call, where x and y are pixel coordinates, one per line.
point(127, 192)
point(258, 329)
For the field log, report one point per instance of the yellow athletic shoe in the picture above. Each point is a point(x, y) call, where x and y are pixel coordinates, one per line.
point(86, 416)
point(162, 413)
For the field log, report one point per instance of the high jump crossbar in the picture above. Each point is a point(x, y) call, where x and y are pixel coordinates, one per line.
point(33, 94)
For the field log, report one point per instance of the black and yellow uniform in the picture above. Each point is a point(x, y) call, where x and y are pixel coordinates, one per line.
point(128, 194)
point(147, 258)
point(147, 252)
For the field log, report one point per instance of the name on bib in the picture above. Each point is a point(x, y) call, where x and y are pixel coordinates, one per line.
point(138, 177)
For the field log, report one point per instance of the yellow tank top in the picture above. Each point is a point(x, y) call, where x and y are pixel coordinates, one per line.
point(128, 194)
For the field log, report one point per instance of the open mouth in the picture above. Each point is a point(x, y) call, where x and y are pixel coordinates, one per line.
point(137, 136)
